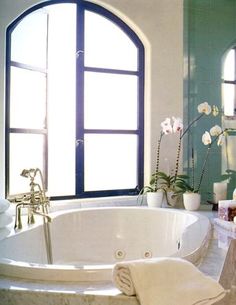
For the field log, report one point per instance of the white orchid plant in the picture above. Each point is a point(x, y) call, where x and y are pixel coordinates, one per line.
point(176, 182)
point(215, 135)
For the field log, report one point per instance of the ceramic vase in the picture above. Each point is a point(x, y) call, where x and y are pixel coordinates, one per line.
point(191, 201)
point(154, 199)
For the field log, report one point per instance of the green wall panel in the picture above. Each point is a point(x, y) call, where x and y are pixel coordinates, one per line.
point(209, 31)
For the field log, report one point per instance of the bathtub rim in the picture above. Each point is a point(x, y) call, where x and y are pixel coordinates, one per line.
point(93, 273)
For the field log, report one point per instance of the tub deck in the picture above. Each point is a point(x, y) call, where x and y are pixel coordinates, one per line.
point(19, 292)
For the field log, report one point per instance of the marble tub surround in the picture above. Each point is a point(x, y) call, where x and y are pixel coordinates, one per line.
point(227, 225)
point(16, 291)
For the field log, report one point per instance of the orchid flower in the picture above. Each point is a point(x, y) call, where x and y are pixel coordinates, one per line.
point(215, 131)
point(206, 138)
point(204, 108)
point(166, 126)
point(177, 124)
point(220, 139)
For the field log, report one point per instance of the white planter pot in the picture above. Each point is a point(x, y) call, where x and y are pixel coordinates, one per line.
point(154, 200)
point(191, 201)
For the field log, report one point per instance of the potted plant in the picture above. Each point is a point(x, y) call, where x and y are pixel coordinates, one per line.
point(216, 134)
point(174, 185)
point(154, 195)
point(160, 182)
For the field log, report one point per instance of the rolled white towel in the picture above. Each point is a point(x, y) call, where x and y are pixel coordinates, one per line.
point(5, 219)
point(166, 281)
point(4, 232)
point(4, 205)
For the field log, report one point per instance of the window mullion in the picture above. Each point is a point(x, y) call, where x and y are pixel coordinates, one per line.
point(80, 101)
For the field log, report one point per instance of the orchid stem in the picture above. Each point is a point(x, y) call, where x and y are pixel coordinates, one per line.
point(177, 157)
point(158, 159)
point(195, 120)
point(203, 168)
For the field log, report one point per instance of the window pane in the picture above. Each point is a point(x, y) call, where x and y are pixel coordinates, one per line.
point(106, 45)
point(110, 101)
point(61, 99)
point(229, 99)
point(27, 99)
point(229, 66)
point(29, 40)
point(110, 162)
point(26, 152)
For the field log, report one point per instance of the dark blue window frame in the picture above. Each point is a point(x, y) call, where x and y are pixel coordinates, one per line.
point(82, 6)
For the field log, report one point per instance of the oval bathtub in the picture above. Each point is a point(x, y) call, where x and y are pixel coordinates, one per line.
point(86, 243)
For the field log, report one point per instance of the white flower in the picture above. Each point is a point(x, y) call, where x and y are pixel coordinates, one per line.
point(177, 124)
point(220, 140)
point(166, 126)
point(204, 108)
point(215, 131)
point(206, 138)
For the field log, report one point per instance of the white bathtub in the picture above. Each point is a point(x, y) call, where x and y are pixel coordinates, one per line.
point(86, 243)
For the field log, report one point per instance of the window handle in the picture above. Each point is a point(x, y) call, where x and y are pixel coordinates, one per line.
point(78, 53)
point(79, 142)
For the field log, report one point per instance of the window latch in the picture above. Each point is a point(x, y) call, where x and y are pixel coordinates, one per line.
point(79, 142)
point(78, 53)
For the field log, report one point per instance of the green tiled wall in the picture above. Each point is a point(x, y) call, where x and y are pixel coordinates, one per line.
point(209, 31)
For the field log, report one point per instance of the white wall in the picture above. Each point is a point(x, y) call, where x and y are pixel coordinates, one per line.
point(159, 23)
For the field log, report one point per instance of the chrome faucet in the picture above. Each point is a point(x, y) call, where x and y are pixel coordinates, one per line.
point(35, 201)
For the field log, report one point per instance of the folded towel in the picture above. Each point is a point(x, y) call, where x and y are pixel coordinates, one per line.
point(4, 232)
point(5, 219)
point(4, 205)
point(166, 281)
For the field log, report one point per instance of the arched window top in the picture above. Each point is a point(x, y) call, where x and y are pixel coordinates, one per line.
point(229, 83)
point(75, 89)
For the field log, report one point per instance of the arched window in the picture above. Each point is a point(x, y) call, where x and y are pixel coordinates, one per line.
point(74, 101)
point(229, 83)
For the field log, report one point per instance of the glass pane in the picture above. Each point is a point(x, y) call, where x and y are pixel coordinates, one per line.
point(106, 45)
point(229, 66)
point(26, 151)
point(110, 101)
point(29, 40)
point(229, 99)
point(110, 162)
point(61, 99)
point(27, 99)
